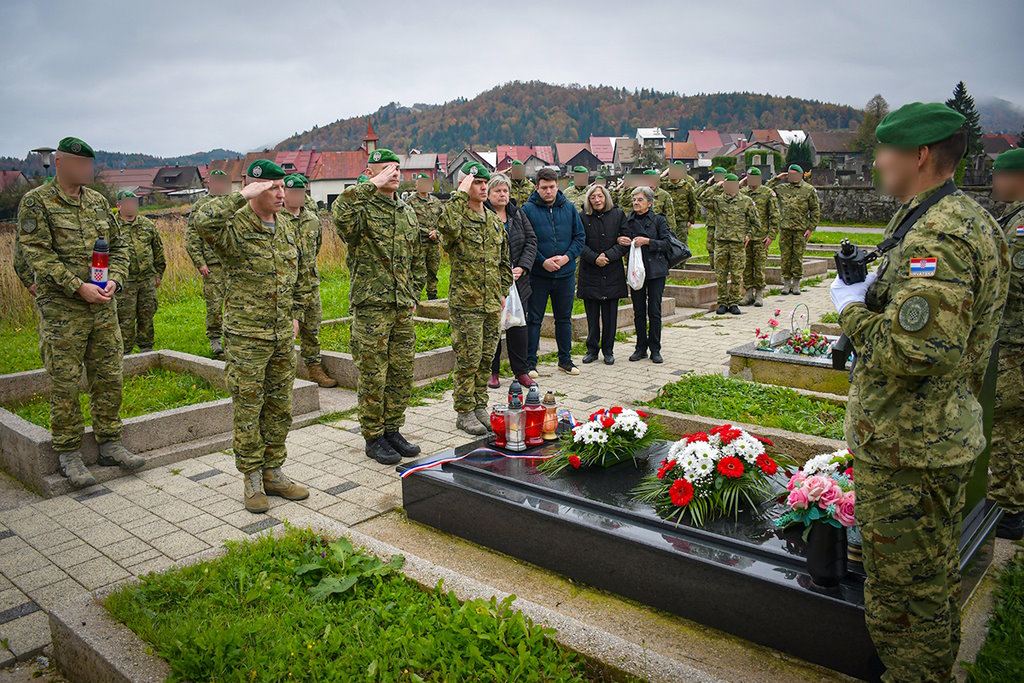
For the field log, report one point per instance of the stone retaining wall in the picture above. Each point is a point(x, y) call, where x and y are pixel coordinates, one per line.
point(866, 205)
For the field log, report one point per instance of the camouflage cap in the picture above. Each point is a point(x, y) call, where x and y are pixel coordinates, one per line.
point(580, 169)
point(218, 172)
point(754, 171)
point(918, 123)
point(383, 156)
point(718, 169)
point(265, 169)
point(1010, 160)
point(126, 194)
point(294, 181)
point(475, 168)
point(75, 146)
point(796, 167)
point(731, 176)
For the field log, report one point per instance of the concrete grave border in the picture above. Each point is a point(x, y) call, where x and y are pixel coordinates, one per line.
point(772, 273)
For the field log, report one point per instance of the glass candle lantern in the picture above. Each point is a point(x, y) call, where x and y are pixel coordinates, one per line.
point(515, 426)
point(533, 413)
point(498, 425)
point(550, 417)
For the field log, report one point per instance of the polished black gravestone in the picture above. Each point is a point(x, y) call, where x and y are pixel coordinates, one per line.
point(742, 576)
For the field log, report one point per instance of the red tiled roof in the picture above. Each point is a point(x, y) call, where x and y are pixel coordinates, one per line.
point(523, 152)
point(339, 165)
point(8, 178)
point(680, 150)
point(765, 135)
point(442, 160)
point(302, 160)
point(603, 148)
point(128, 177)
point(706, 140)
point(567, 150)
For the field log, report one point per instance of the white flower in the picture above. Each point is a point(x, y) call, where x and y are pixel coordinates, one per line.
point(823, 464)
point(744, 447)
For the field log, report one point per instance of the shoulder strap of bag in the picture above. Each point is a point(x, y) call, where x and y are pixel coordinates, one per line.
point(947, 188)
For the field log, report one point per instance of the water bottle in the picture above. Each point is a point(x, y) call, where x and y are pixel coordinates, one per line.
point(100, 262)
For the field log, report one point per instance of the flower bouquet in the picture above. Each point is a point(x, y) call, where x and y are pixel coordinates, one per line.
point(608, 437)
point(708, 475)
point(821, 491)
point(806, 343)
point(763, 340)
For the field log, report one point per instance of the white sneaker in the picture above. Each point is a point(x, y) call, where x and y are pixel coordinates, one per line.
point(533, 374)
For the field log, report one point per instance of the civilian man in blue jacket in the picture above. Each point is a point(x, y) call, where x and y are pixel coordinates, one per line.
point(560, 240)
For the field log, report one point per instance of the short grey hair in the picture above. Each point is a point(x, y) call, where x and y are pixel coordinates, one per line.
point(647, 192)
point(498, 179)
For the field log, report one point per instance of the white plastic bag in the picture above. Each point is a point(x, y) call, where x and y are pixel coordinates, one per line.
point(513, 315)
point(635, 272)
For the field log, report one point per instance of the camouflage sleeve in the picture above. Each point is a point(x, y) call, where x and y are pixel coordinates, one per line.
point(924, 327)
point(193, 242)
point(670, 212)
point(449, 224)
point(348, 209)
point(753, 219)
point(772, 183)
point(814, 209)
point(774, 216)
point(36, 240)
point(159, 259)
point(21, 266)
point(303, 291)
point(419, 261)
point(691, 204)
point(120, 253)
point(710, 196)
point(213, 222)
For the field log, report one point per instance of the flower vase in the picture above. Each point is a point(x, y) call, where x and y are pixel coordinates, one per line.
point(853, 544)
point(826, 554)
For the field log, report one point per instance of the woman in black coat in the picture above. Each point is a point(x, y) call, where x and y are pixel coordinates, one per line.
point(602, 276)
point(649, 231)
point(522, 249)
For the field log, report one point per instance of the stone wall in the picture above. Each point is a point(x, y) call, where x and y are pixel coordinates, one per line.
point(866, 205)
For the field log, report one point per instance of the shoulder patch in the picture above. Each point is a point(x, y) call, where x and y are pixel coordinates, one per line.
point(923, 267)
point(914, 314)
point(28, 226)
point(1018, 259)
point(30, 202)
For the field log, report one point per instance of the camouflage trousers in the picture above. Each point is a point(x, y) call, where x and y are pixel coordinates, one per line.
point(213, 292)
point(39, 332)
point(791, 248)
point(682, 231)
point(78, 334)
point(728, 271)
point(1006, 462)
point(474, 338)
point(709, 242)
point(260, 374)
point(431, 250)
point(309, 328)
point(910, 520)
point(136, 308)
point(753, 266)
point(383, 347)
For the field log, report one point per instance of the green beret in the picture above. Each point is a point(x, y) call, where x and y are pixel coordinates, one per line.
point(294, 181)
point(75, 146)
point(918, 123)
point(384, 156)
point(731, 176)
point(475, 168)
point(650, 171)
point(421, 176)
point(599, 177)
point(126, 194)
point(265, 169)
point(678, 163)
point(754, 171)
point(796, 167)
point(516, 162)
point(362, 179)
point(718, 169)
point(580, 169)
point(217, 171)
point(1010, 160)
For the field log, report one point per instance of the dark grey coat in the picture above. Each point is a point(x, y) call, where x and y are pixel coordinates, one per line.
point(522, 246)
point(603, 230)
point(654, 226)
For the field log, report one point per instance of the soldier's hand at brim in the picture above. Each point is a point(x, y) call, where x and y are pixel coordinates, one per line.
point(389, 173)
point(253, 190)
point(466, 183)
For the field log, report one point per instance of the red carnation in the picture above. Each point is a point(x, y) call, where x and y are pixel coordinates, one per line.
point(767, 464)
point(697, 436)
point(849, 473)
point(574, 460)
point(729, 435)
point(730, 467)
point(615, 410)
point(716, 430)
point(766, 442)
point(666, 467)
point(681, 492)
point(607, 422)
point(641, 413)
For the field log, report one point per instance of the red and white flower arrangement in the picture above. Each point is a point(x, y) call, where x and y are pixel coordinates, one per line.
point(821, 491)
point(709, 475)
point(608, 437)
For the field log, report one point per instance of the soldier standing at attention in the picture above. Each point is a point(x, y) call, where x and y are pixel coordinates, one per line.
point(923, 327)
point(717, 176)
point(206, 261)
point(58, 225)
point(267, 274)
point(798, 203)
point(305, 221)
point(736, 220)
point(680, 188)
point(477, 244)
point(757, 248)
point(383, 241)
point(576, 193)
point(522, 187)
point(136, 302)
point(428, 211)
point(1006, 462)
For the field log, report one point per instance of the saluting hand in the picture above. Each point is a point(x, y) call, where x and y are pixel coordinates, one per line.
point(252, 190)
point(466, 183)
point(389, 173)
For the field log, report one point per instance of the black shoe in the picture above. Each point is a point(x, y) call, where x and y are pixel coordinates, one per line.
point(656, 357)
point(432, 297)
point(734, 309)
point(590, 357)
point(638, 355)
point(609, 359)
point(569, 369)
point(380, 450)
point(721, 310)
point(399, 443)
point(1011, 527)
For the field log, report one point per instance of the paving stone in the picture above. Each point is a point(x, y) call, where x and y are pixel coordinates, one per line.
point(37, 578)
point(28, 635)
point(97, 572)
point(348, 512)
point(200, 522)
point(216, 536)
point(179, 544)
point(11, 598)
point(17, 558)
point(156, 565)
point(154, 530)
point(47, 596)
point(129, 547)
point(176, 511)
point(67, 558)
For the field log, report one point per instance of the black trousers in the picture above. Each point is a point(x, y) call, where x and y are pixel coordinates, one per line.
point(516, 337)
point(602, 319)
point(647, 309)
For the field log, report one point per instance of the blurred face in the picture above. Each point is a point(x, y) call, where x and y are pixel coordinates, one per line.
point(498, 195)
point(731, 187)
point(269, 201)
point(219, 185)
point(794, 177)
point(294, 197)
point(676, 172)
point(424, 185)
point(603, 182)
point(753, 181)
point(74, 170)
point(478, 190)
point(898, 169)
point(651, 181)
point(518, 171)
point(391, 185)
point(1008, 186)
point(640, 204)
point(580, 179)
point(128, 207)
point(597, 200)
point(548, 190)
point(718, 177)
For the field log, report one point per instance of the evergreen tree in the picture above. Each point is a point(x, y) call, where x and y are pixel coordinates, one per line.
point(800, 153)
point(962, 102)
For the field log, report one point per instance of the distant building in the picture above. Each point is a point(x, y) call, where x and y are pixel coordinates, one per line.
point(12, 179)
point(682, 151)
point(603, 148)
point(334, 171)
point(412, 164)
point(625, 154)
point(791, 136)
point(995, 144)
point(488, 159)
point(572, 154)
point(705, 141)
point(523, 152)
point(178, 182)
point(137, 180)
point(834, 149)
point(766, 136)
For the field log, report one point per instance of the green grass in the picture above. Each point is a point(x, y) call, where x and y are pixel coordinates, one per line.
point(150, 392)
point(429, 336)
point(727, 398)
point(432, 390)
point(688, 282)
point(831, 318)
point(306, 608)
point(835, 237)
point(999, 658)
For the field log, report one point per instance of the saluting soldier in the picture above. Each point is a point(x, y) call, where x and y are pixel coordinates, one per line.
point(268, 281)
point(736, 221)
point(383, 241)
point(662, 200)
point(681, 188)
point(798, 203)
point(576, 192)
point(137, 302)
point(58, 225)
point(923, 329)
point(428, 212)
point(757, 248)
point(204, 258)
point(522, 187)
point(717, 176)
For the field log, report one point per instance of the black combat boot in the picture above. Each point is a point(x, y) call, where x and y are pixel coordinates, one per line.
point(380, 450)
point(403, 447)
point(1011, 526)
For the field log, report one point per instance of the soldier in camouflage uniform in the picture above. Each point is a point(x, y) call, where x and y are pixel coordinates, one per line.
point(680, 187)
point(798, 203)
point(301, 214)
point(757, 248)
point(58, 225)
point(923, 331)
point(576, 192)
point(737, 221)
point(428, 212)
point(521, 187)
point(268, 279)
point(1006, 462)
point(136, 302)
point(477, 243)
point(383, 243)
point(206, 261)
point(717, 176)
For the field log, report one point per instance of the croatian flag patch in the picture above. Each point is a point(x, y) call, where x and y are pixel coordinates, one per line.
point(922, 267)
point(1020, 231)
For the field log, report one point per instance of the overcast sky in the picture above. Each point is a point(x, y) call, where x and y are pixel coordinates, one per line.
point(178, 77)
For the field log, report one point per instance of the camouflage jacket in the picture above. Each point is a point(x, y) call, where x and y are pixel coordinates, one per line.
point(201, 253)
point(684, 200)
point(21, 265)
point(308, 227)
point(266, 271)
point(520, 190)
point(57, 234)
point(709, 214)
point(383, 244)
point(798, 203)
point(1012, 329)
point(924, 337)
point(735, 217)
point(428, 213)
point(145, 248)
point(478, 248)
point(767, 210)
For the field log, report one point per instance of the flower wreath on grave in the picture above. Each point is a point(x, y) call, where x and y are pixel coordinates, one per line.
point(608, 437)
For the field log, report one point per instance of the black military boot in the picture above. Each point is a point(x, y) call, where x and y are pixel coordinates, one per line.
point(381, 450)
point(399, 443)
point(1011, 526)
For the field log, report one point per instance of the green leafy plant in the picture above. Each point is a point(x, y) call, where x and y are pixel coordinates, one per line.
point(999, 658)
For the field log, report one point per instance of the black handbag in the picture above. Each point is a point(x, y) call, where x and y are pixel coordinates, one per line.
point(677, 251)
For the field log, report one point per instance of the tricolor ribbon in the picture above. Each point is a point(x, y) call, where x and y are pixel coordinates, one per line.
point(442, 461)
